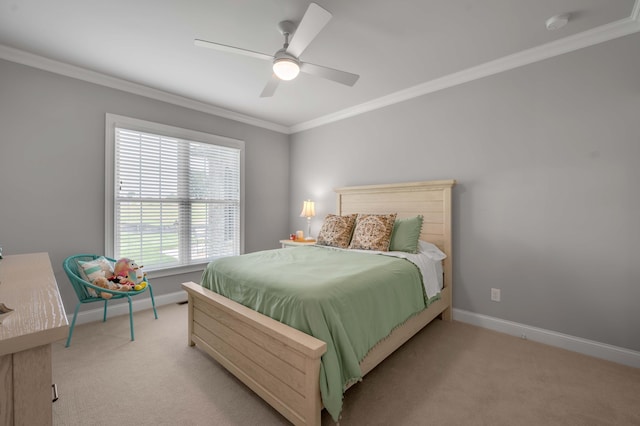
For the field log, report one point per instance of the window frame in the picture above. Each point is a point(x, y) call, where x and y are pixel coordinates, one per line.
point(113, 121)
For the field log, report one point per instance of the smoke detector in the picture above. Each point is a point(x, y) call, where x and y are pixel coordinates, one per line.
point(557, 22)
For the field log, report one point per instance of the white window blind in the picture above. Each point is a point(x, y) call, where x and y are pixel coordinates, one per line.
point(176, 202)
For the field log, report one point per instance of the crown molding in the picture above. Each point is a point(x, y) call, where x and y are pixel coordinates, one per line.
point(568, 44)
point(46, 64)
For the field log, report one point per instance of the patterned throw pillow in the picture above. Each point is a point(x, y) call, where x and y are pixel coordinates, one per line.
point(92, 269)
point(373, 232)
point(336, 230)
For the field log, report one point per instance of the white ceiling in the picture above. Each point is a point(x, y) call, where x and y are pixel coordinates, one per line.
point(399, 48)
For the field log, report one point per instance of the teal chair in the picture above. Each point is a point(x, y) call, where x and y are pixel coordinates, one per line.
point(70, 266)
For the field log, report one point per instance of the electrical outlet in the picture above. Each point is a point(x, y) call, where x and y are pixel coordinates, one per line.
point(495, 294)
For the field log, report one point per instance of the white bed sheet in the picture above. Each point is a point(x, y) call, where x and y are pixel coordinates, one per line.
point(428, 260)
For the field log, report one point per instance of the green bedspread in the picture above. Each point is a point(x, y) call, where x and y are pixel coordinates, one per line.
point(349, 300)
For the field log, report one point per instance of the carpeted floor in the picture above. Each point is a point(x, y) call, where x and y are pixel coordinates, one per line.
point(448, 374)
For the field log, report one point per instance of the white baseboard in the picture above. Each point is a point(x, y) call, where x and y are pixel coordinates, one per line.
point(123, 308)
point(552, 338)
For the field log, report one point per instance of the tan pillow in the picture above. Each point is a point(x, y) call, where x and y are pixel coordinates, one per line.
point(373, 232)
point(336, 230)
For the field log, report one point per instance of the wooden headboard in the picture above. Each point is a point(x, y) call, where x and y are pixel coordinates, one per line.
point(432, 199)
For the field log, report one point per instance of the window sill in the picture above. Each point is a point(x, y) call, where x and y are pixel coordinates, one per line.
point(178, 270)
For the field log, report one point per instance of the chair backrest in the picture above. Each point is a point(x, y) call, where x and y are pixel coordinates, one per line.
point(71, 268)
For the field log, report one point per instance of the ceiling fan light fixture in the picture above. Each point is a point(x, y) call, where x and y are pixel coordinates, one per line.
point(286, 68)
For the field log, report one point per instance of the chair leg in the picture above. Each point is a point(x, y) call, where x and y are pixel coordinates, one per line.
point(153, 302)
point(104, 317)
point(73, 323)
point(130, 318)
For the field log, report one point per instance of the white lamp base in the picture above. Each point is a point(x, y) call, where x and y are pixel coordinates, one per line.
point(309, 237)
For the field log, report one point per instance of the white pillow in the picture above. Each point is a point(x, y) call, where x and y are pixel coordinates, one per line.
point(431, 250)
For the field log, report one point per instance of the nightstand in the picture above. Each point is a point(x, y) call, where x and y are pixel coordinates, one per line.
point(293, 243)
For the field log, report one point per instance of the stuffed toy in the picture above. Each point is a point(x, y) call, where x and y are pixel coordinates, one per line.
point(141, 278)
point(124, 267)
point(130, 274)
point(105, 283)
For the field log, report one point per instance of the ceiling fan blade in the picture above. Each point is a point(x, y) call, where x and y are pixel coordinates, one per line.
point(313, 21)
point(231, 49)
point(342, 77)
point(271, 87)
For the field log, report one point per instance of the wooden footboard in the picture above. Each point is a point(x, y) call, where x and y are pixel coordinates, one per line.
point(279, 363)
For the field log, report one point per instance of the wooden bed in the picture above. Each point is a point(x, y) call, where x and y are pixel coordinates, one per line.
point(282, 364)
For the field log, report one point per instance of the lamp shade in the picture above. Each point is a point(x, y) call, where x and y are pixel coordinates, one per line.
point(285, 68)
point(308, 209)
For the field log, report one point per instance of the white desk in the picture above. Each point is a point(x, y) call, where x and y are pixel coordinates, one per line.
point(28, 286)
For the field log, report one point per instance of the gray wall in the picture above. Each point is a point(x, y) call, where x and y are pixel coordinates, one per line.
point(52, 167)
point(547, 206)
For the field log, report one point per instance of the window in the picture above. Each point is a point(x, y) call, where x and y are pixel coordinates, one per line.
point(174, 198)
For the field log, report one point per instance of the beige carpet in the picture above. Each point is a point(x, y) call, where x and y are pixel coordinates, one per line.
point(448, 374)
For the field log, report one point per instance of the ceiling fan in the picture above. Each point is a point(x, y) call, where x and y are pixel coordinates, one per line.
point(286, 61)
